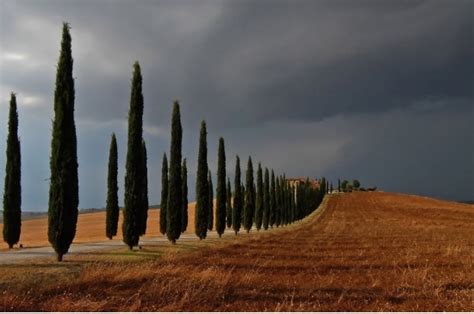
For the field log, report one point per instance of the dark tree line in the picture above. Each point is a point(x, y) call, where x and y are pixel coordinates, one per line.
point(266, 202)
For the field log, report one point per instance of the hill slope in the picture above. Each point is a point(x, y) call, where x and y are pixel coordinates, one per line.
point(362, 252)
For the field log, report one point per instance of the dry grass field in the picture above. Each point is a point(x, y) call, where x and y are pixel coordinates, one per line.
point(362, 252)
point(90, 228)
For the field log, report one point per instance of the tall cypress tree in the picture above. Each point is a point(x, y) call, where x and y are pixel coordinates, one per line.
point(64, 182)
point(339, 185)
point(202, 186)
point(237, 208)
point(112, 212)
point(12, 187)
point(249, 207)
point(134, 169)
point(144, 191)
point(164, 194)
point(221, 196)
point(210, 208)
point(229, 204)
point(277, 201)
point(259, 199)
point(175, 197)
point(272, 219)
point(184, 182)
point(266, 200)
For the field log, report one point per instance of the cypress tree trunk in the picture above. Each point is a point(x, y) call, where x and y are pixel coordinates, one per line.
point(221, 196)
point(12, 187)
point(64, 182)
point(272, 201)
point(249, 208)
point(184, 182)
point(237, 208)
point(266, 200)
point(202, 187)
point(229, 204)
point(175, 197)
point(112, 191)
point(134, 169)
point(144, 211)
point(164, 194)
point(259, 199)
point(210, 209)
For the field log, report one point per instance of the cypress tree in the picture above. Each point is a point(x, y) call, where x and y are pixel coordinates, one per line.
point(112, 212)
point(175, 197)
point(272, 219)
point(210, 209)
point(202, 186)
point(164, 194)
point(144, 191)
point(259, 199)
point(237, 208)
point(339, 185)
point(266, 200)
point(277, 201)
point(184, 182)
point(221, 196)
point(64, 182)
point(249, 208)
point(134, 169)
point(229, 204)
point(12, 187)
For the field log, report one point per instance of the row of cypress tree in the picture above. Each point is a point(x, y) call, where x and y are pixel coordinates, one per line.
point(269, 202)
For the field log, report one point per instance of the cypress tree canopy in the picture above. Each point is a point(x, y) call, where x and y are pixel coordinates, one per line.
point(237, 208)
point(12, 187)
point(266, 200)
point(259, 198)
point(249, 208)
point(272, 219)
point(112, 211)
point(202, 187)
point(210, 208)
point(164, 194)
point(175, 197)
point(184, 182)
point(64, 182)
point(144, 211)
point(134, 169)
point(221, 196)
point(229, 204)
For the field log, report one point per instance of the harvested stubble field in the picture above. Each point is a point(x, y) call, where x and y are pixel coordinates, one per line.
point(362, 252)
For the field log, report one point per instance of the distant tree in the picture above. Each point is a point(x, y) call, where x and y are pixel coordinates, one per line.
point(221, 193)
point(237, 208)
point(175, 197)
point(210, 208)
point(331, 188)
point(249, 208)
point(64, 181)
point(344, 185)
point(266, 200)
point(272, 217)
point(202, 186)
point(229, 204)
point(339, 185)
point(356, 184)
point(12, 187)
point(184, 182)
point(112, 208)
point(144, 191)
point(164, 194)
point(259, 199)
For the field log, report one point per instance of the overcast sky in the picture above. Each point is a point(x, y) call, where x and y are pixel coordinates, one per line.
point(376, 90)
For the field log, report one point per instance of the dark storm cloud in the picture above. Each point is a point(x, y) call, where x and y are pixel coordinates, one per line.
point(264, 74)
